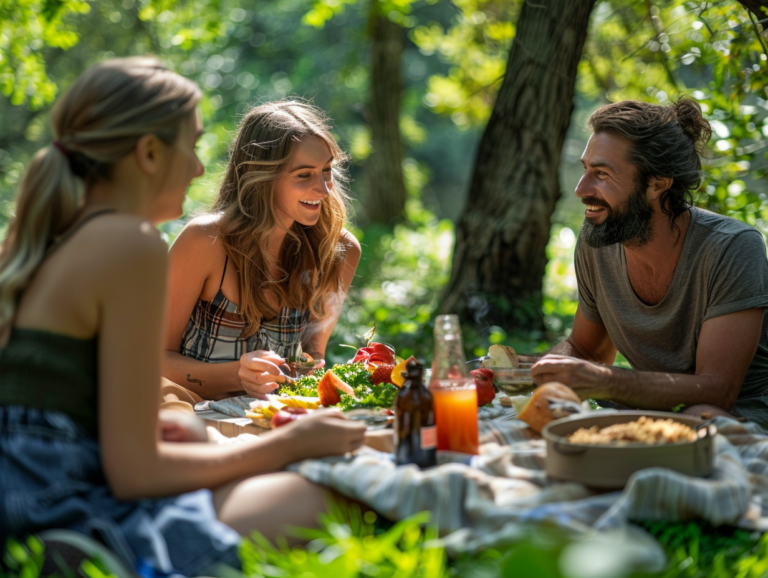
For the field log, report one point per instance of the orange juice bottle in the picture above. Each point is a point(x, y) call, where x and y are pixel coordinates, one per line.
point(454, 390)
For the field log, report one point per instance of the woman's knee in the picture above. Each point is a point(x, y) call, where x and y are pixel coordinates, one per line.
point(270, 503)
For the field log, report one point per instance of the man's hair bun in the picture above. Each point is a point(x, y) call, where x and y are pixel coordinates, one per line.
point(688, 114)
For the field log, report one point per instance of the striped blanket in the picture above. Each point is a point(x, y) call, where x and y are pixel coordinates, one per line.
point(500, 493)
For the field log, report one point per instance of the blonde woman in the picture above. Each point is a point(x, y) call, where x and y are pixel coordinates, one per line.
point(264, 275)
point(82, 304)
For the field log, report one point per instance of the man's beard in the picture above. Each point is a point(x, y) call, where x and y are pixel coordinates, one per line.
point(629, 226)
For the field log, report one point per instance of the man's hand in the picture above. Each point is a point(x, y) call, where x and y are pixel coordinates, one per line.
point(587, 379)
point(258, 370)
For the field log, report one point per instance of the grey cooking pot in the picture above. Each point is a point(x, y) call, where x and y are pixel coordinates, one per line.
point(609, 466)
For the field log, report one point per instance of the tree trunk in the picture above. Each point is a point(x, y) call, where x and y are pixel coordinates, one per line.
point(758, 7)
point(502, 234)
point(385, 201)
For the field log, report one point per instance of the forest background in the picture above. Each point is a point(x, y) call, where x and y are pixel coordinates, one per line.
point(464, 119)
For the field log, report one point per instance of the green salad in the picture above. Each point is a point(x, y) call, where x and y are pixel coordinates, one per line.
point(358, 378)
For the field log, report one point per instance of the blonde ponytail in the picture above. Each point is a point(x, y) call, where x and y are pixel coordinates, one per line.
point(97, 122)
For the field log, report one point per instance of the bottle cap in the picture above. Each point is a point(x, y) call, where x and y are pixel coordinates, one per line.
point(414, 371)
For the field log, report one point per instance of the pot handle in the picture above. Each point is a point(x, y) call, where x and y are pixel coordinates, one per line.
point(706, 429)
point(565, 450)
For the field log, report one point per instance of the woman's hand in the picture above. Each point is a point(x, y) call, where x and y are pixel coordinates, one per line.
point(258, 372)
point(324, 433)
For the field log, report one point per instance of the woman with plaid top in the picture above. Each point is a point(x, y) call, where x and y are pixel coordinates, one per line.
point(264, 275)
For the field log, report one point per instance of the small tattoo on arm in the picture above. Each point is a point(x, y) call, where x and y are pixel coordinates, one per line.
point(197, 381)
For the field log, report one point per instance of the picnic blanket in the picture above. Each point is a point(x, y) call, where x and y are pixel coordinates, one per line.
point(239, 405)
point(496, 496)
point(231, 406)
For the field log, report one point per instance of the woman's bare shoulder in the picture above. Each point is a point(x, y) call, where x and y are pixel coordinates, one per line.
point(117, 248)
point(201, 234)
point(351, 245)
point(121, 235)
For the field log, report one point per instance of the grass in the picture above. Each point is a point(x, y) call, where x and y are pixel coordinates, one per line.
point(353, 544)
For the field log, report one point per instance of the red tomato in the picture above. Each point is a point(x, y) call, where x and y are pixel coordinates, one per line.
point(382, 348)
point(362, 354)
point(484, 385)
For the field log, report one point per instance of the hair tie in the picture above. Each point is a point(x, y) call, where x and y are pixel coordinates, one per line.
point(61, 148)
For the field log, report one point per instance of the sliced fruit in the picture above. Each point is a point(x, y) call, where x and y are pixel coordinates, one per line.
point(327, 392)
point(272, 408)
point(328, 389)
point(398, 373)
point(382, 374)
point(339, 383)
point(299, 401)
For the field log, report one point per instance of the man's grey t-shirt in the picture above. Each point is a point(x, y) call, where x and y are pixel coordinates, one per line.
point(722, 269)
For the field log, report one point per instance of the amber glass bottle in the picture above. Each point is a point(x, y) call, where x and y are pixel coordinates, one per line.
point(415, 431)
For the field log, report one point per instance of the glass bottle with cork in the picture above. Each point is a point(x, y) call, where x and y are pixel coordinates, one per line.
point(453, 389)
point(415, 431)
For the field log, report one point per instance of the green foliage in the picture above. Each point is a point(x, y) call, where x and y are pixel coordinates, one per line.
point(25, 560)
point(26, 27)
point(347, 546)
point(652, 51)
point(397, 285)
point(476, 46)
point(401, 276)
point(560, 298)
point(712, 51)
point(694, 550)
point(698, 550)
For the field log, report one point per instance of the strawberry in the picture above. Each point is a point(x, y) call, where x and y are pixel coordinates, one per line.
point(382, 374)
point(484, 385)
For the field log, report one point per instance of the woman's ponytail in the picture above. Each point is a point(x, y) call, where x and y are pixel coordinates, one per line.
point(97, 122)
point(49, 197)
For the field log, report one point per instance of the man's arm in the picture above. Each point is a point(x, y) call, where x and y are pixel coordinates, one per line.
point(726, 347)
point(588, 340)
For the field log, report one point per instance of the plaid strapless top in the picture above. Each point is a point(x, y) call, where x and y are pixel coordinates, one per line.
point(215, 329)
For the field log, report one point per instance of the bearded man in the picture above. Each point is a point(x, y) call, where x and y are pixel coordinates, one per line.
point(679, 291)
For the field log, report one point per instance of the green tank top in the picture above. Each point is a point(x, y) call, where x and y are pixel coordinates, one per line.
point(53, 371)
point(50, 371)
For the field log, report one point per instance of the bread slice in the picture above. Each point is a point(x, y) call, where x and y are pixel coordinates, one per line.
point(542, 408)
point(501, 356)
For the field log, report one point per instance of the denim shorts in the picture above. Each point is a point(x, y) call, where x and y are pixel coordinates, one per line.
point(51, 477)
